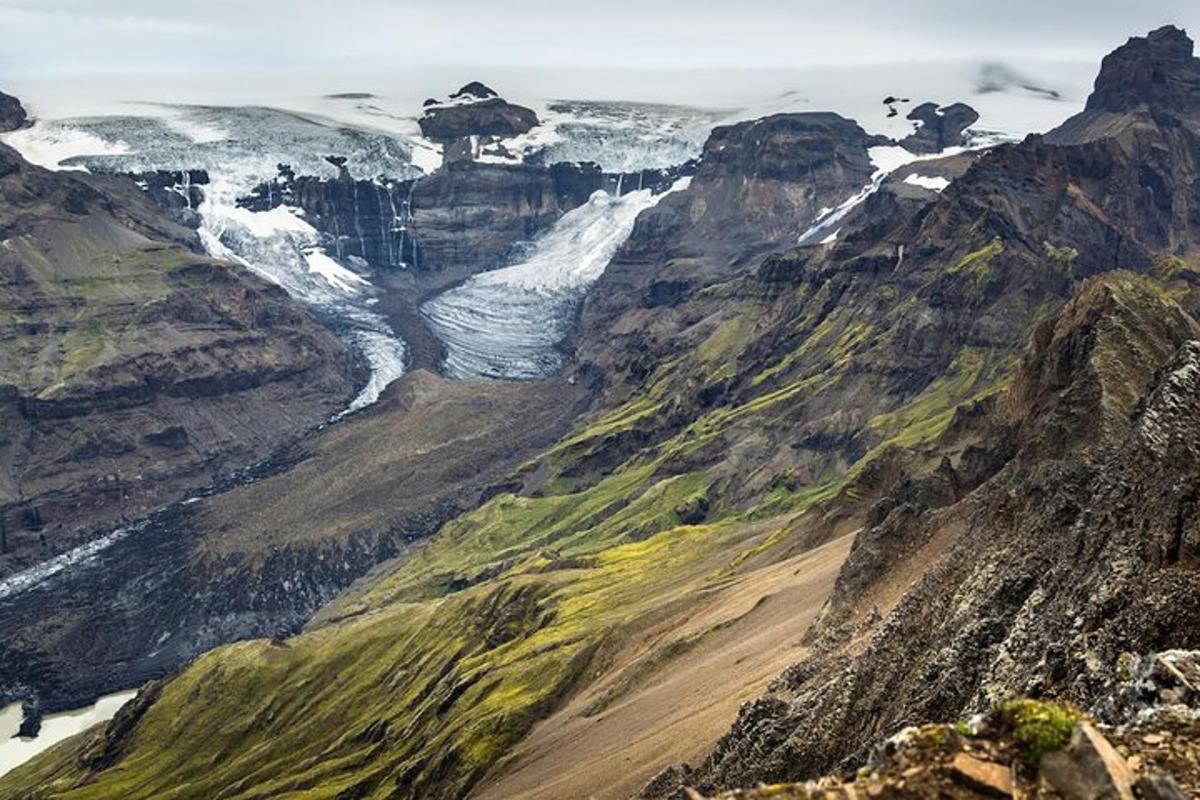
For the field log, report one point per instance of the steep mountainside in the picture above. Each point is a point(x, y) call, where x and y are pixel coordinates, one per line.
point(957, 427)
point(134, 369)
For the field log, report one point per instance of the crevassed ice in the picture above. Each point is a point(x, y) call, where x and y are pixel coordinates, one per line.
point(510, 323)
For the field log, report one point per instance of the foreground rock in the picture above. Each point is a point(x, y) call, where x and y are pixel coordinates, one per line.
point(1023, 750)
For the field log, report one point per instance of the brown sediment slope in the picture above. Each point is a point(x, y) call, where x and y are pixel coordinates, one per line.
point(747, 632)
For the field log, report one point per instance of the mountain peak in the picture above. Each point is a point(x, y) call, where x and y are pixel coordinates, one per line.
point(1157, 70)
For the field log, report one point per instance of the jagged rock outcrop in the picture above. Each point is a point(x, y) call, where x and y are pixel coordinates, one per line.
point(1049, 570)
point(1156, 71)
point(12, 114)
point(178, 193)
point(759, 186)
point(474, 111)
point(939, 127)
point(134, 368)
point(1148, 87)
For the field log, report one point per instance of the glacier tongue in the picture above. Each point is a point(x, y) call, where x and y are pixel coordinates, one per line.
point(510, 323)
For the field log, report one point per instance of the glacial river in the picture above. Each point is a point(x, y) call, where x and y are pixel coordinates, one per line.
point(15, 751)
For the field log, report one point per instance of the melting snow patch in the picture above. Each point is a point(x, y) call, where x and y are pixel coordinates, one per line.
point(831, 238)
point(338, 276)
point(936, 183)
point(886, 159)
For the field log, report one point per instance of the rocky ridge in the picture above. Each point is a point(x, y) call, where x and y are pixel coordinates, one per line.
point(1030, 567)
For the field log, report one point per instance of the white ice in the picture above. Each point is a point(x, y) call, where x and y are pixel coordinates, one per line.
point(934, 182)
point(510, 323)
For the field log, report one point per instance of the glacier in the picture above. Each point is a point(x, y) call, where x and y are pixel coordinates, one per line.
point(511, 323)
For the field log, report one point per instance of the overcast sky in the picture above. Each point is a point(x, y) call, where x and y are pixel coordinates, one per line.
point(100, 36)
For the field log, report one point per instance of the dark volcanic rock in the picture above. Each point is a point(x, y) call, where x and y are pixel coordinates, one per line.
point(759, 186)
point(476, 110)
point(12, 113)
point(476, 90)
point(465, 218)
point(1151, 82)
point(940, 127)
point(179, 193)
point(1156, 70)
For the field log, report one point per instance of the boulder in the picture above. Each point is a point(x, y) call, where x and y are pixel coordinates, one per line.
point(1088, 768)
point(1158, 787)
point(986, 777)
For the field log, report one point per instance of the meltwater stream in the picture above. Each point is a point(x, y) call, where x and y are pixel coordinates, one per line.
point(510, 323)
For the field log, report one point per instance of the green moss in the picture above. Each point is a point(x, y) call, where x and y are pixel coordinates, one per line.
point(977, 267)
point(1169, 266)
point(1039, 727)
point(1063, 256)
point(724, 343)
point(1125, 666)
point(973, 374)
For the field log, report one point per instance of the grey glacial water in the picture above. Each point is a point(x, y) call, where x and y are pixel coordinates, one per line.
point(15, 751)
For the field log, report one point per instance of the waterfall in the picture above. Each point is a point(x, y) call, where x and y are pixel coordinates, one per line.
point(362, 240)
point(398, 258)
point(409, 219)
point(385, 235)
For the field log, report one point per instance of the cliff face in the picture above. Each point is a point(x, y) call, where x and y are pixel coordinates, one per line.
point(134, 369)
point(466, 217)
